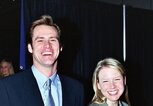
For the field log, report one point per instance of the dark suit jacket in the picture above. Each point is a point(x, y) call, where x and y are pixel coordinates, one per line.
point(22, 90)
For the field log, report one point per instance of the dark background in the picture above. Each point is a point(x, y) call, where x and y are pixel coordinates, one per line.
point(91, 31)
point(10, 31)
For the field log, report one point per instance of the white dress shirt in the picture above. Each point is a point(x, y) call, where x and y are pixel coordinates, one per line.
point(56, 88)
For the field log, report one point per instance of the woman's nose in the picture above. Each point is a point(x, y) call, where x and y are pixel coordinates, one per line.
point(112, 84)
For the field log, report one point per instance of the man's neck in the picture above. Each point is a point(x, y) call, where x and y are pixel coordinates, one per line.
point(47, 70)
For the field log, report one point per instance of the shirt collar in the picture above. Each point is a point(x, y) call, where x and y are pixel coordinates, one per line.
point(41, 78)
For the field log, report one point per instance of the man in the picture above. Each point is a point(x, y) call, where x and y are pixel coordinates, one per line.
point(26, 88)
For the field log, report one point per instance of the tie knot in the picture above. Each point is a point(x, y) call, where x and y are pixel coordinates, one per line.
point(47, 84)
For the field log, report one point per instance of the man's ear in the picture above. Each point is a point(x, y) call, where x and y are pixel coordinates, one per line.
point(61, 48)
point(30, 48)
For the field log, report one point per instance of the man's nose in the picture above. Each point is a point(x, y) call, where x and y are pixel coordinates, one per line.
point(47, 44)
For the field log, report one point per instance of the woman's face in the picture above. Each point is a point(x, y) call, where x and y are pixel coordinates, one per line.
point(5, 66)
point(111, 83)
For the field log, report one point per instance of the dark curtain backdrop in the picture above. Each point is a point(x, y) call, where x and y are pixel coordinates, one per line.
point(90, 32)
point(140, 56)
point(10, 31)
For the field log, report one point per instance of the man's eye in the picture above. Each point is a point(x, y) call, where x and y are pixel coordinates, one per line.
point(39, 40)
point(53, 40)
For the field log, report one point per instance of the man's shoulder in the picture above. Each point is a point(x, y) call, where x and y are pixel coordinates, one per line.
point(69, 79)
point(17, 76)
point(70, 82)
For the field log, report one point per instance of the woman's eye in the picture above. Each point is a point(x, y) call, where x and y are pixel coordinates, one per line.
point(105, 81)
point(117, 79)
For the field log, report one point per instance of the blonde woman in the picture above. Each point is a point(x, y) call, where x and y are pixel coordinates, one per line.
point(6, 68)
point(109, 84)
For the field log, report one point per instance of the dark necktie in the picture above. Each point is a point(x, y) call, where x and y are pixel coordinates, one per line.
point(49, 98)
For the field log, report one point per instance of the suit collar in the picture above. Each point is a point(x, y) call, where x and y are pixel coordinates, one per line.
point(31, 90)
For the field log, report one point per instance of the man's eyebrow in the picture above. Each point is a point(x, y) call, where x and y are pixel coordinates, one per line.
point(43, 38)
point(54, 37)
point(38, 38)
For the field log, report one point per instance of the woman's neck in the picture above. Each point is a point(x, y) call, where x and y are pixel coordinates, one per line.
point(112, 103)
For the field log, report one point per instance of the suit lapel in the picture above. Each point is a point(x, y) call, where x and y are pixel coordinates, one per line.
point(64, 90)
point(31, 90)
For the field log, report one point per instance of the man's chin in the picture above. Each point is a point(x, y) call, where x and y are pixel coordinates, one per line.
point(49, 64)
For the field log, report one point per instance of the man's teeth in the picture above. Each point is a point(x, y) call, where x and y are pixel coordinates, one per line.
point(47, 53)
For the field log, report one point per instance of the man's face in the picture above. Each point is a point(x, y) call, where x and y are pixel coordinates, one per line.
point(45, 45)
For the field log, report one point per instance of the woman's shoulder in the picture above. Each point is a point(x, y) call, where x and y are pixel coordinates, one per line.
point(121, 103)
point(96, 104)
